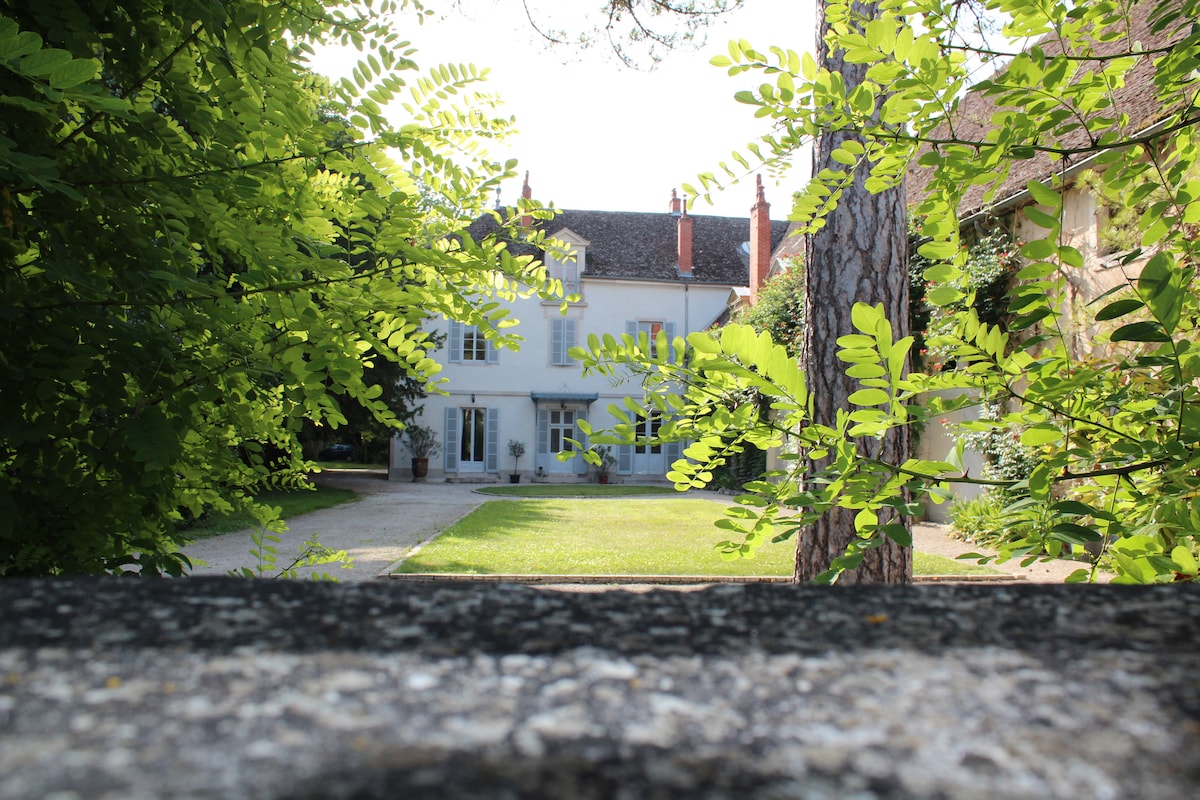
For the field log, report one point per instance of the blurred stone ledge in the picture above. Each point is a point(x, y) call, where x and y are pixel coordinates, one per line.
point(224, 688)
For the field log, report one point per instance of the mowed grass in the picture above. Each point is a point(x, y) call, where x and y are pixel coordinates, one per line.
point(575, 490)
point(291, 503)
point(601, 537)
point(590, 537)
point(326, 465)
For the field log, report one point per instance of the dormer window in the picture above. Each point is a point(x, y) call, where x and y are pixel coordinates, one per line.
point(569, 269)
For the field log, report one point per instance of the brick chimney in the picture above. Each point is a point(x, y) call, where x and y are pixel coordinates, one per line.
point(526, 194)
point(685, 243)
point(675, 204)
point(760, 242)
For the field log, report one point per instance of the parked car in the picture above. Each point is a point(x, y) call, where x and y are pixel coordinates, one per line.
point(338, 452)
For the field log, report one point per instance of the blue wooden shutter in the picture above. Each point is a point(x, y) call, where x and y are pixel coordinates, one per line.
point(631, 329)
point(455, 342)
point(493, 353)
point(562, 339)
point(452, 439)
point(669, 330)
point(543, 431)
point(491, 436)
point(570, 337)
point(556, 342)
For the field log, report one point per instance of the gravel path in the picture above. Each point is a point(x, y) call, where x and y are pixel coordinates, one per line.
point(935, 539)
point(389, 518)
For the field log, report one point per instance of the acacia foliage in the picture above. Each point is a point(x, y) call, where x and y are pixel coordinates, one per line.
point(1118, 430)
point(202, 243)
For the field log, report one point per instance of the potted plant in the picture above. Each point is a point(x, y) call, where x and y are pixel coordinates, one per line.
point(421, 443)
point(516, 450)
point(607, 462)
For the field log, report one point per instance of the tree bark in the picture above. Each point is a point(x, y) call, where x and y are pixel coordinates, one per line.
point(861, 255)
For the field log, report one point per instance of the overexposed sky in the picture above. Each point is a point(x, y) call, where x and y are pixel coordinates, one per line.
point(597, 135)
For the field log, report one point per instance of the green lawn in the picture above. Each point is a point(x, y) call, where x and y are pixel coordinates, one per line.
point(595, 537)
point(291, 503)
point(575, 490)
point(347, 465)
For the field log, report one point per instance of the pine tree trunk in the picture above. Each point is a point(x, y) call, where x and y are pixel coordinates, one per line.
point(861, 255)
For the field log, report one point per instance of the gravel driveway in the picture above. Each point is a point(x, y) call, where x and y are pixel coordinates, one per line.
point(391, 517)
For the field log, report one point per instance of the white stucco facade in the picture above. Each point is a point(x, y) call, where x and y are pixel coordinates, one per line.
point(536, 395)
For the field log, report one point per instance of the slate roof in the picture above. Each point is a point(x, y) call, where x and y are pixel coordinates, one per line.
point(632, 245)
point(1137, 98)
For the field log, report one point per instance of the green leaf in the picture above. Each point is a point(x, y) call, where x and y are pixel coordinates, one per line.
point(944, 296)
point(1119, 308)
point(74, 73)
point(1185, 560)
point(1042, 220)
point(865, 317)
point(938, 250)
point(1039, 250)
point(1039, 435)
point(1161, 286)
point(1140, 332)
point(1043, 194)
point(898, 534)
point(1071, 533)
point(44, 62)
point(870, 397)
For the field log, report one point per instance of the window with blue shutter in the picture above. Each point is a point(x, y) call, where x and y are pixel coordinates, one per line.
point(562, 339)
point(467, 344)
point(651, 328)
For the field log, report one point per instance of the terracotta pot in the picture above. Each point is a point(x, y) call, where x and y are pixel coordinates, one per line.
point(420, 468)
point(603, 478)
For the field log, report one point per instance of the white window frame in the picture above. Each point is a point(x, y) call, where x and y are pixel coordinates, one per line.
point(461, 336)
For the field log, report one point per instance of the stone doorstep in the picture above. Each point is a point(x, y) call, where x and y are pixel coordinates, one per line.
point(667, 580)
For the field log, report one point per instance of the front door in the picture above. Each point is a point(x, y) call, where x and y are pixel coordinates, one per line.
point(648, 459)
point(473, 446)
point(557, 430)
point(562, 430)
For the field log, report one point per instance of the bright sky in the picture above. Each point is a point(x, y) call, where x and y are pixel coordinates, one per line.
point(600, 136)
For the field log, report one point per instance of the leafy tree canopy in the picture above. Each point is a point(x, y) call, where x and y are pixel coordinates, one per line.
point(1117, 429)
point(202, 243)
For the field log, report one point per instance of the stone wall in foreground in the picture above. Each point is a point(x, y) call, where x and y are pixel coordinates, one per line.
point(221, 688)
